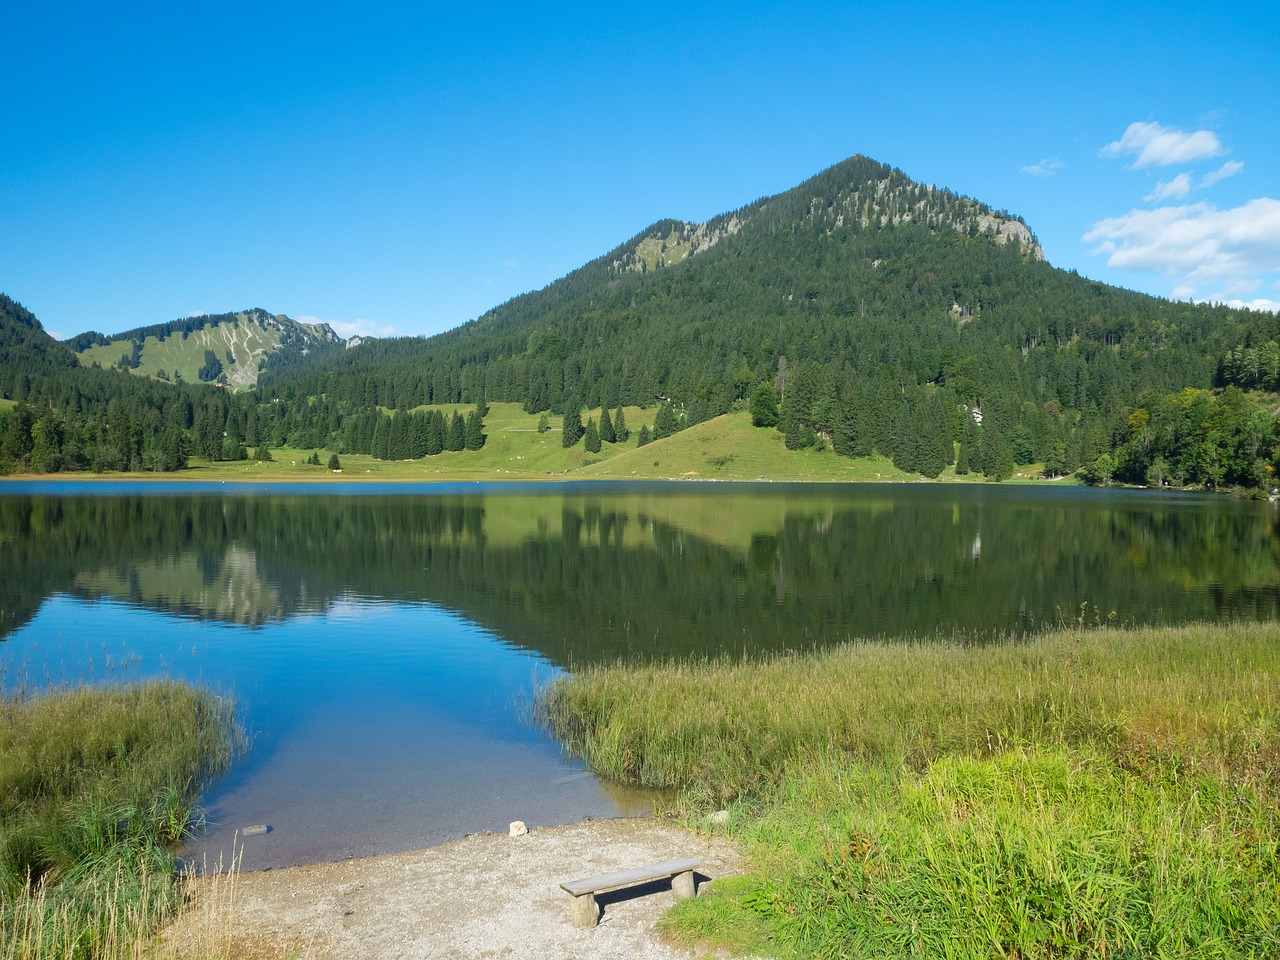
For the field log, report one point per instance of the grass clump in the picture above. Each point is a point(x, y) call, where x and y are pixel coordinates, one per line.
point(1093, 794)
point(97, 787)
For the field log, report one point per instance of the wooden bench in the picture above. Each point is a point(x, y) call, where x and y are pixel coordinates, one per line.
point(586, 911)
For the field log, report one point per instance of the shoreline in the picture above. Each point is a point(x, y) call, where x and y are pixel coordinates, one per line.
point(485, 895)
point(185, 476)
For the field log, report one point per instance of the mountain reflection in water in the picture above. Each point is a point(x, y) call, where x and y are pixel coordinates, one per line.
point(384, 642)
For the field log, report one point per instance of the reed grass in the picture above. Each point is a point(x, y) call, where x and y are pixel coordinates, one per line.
point(1086, 794)
point(97, 786)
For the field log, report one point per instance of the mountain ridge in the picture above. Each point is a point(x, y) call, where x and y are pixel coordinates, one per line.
point(859, 312)
point(227, 348)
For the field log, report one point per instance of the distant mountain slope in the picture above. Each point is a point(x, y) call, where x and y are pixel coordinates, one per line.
point(26, 350)
point(881, 282)
point(228, 348)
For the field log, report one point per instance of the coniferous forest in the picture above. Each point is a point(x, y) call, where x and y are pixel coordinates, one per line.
point(860, 311)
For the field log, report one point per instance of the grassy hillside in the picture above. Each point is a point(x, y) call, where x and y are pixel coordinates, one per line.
point(242, 343)
point(727, 447)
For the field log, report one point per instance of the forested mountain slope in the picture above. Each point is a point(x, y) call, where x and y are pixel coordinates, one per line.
point(885, 312)
point(859, 312)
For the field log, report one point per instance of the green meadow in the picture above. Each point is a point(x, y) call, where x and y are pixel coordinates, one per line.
point(725, 448)
point(1091, 793)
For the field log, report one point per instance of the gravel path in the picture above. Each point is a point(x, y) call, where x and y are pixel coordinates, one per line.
point(486, 896)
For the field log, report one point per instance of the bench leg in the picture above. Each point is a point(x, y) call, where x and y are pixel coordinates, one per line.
point(586, 912)
point(682, 885)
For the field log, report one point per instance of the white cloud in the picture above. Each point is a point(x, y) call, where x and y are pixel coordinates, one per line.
point(1228, 169)
point(1177, 188)
point(355, 328)
point(1157, 146)
point(197, 313)
point(1195, 243)
point(1045, 168)
point(1261, 304)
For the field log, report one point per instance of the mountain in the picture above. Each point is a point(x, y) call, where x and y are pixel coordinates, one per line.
point(859, 312)
point(887, 314)
point(26, 350)
point(226, 348)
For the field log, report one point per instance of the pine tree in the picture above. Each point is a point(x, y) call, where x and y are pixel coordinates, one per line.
point(435, 432)
point(664, 422)
point(475, 430)
point(334, 463)
point(620, 430)
point(591, 439)
point(644, 436)
point(457, 439)
point(607, 433)
point(764, 405)
point(571, 432)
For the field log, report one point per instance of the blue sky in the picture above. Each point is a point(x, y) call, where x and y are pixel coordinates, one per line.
point(400, 169)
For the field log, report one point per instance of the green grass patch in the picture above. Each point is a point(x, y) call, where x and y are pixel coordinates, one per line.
point(727, 447)
point(97, 787)
point(1086, 794)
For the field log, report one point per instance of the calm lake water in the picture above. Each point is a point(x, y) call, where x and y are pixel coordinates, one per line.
point(383, 642)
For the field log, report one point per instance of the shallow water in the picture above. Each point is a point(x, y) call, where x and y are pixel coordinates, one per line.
point(383, 643)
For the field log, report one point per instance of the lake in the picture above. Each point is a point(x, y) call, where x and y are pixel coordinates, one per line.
point(383, 642)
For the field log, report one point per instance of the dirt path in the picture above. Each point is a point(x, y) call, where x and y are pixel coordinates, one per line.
point(486, 896)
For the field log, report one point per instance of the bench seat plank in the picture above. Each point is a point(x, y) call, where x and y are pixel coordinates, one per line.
point(624, 878)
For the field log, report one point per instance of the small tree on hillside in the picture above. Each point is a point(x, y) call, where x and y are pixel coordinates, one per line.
point(572, 430)
point(607, 432)
point(620, 431)
point(474, 438)
point(457, 438)
point(664, 421)
point(592, 437)
point(334, 462)
point(764, 405)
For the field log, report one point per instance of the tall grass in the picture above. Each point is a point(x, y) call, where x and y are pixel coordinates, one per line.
point(97, 786)
point(728, 727)
point(1087, 794)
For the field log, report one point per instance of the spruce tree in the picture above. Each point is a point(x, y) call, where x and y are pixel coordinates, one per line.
point(475, 430)
point(334, 462)
point(571, 431)
point(591, 439)
point(457, 439)
point(644, 436)
point(607, 433)
point(664, 422)
point(435, 432)
point(764, 405)
point(620, 430)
